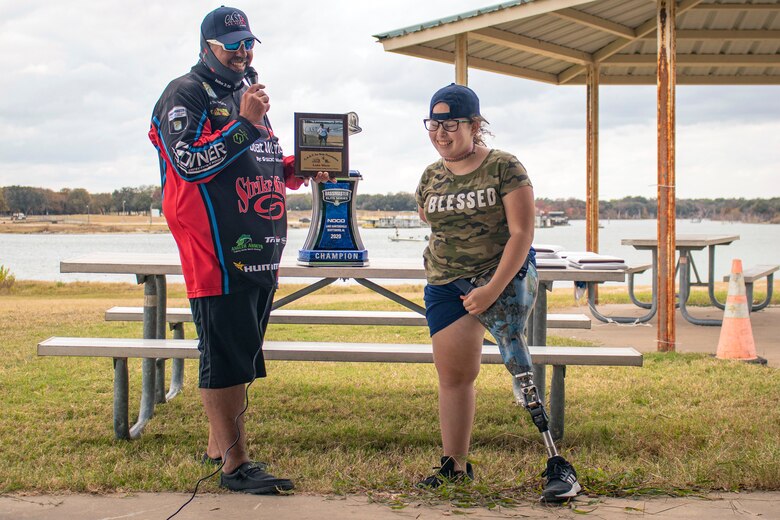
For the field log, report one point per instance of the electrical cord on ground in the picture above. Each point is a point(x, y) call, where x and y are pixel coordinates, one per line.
point(251, 77)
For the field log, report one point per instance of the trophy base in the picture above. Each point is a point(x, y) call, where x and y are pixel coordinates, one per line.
point(351, 258)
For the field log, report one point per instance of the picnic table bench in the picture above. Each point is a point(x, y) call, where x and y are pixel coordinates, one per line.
point(120, 349)
point(752, 275)
point(175, 315)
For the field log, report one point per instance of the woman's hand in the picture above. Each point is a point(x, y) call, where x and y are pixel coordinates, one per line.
point(480, 299)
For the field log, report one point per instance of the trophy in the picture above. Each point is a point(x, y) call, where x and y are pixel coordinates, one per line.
point(322, 144)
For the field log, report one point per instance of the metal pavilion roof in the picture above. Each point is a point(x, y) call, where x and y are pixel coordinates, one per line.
point(718, 42)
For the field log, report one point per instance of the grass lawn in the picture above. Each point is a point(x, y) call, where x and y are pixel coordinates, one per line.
point(680, 424)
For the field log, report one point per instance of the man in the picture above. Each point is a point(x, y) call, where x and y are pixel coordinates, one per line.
point(322, 133)
point(224, 179)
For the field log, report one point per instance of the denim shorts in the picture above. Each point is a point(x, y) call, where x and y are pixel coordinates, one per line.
point(443, 305)
point(230, 331)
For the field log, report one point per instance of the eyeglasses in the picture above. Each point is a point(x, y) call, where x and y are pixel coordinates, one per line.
point(450, 125)
point(233, 47)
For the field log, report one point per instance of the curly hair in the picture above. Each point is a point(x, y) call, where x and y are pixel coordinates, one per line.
point(482, 131)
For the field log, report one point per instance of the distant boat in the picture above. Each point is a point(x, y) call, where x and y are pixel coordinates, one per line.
point(397, 237)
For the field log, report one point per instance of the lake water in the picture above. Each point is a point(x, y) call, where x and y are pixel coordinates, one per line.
point(37, 257)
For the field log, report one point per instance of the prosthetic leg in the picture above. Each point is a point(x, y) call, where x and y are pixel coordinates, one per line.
point(506, 320)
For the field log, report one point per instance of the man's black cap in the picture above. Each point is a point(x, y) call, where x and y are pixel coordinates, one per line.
point(226, 25)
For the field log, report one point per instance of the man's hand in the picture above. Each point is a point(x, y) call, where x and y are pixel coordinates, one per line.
point(320, 177)
point(254, 104)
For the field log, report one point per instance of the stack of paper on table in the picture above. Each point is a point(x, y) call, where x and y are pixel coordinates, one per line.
point(590, 260)
point(547, 250)
point(547, 256)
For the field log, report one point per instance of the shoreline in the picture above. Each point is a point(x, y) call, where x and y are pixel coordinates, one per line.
point(88, 224)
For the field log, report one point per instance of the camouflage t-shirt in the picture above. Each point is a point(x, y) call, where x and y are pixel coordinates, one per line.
point(468, 225)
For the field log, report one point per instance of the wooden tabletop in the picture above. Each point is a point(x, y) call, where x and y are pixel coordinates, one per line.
point(697, 241)
point(387, 268)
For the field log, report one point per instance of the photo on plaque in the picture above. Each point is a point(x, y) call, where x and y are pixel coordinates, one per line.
point(321, 144)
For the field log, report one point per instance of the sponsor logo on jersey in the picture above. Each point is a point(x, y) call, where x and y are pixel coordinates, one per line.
point(177, 119)
point(336, 196)
point(266, 148)
point(200, 161)
point(240, 136)
point(460, 201)
point(209, 90)
point(256, 268)
point(264, 196)
point(220, 112)
point(244, 243)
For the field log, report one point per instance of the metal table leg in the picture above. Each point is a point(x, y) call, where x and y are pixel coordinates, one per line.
point(557, 401)
point(711, 280)
point(539, 338)
point(121, 391)
point(770, 280)
point(685, 288)
point(177, 366)
point(303, 292)
point(161, 318)
point(148, 365)
point(390, 295)
point(625, 319)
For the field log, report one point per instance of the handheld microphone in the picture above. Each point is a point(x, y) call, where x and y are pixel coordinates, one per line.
point(250, 76)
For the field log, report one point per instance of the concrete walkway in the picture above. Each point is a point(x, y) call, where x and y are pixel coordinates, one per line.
point(690, 338)
point(306, 507)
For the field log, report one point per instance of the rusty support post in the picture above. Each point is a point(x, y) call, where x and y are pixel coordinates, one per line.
point(462, 59)
point(592, 195)
point(666, 175)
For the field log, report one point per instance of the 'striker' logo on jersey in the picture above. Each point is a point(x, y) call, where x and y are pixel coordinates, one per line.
point(264, 196)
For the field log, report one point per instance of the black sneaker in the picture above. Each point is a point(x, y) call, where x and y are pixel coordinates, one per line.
point(447, 473)
point(250, 478)
point(216, 461)
point(561, 482)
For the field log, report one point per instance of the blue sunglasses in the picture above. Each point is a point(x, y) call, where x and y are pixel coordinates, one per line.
point(233, 47)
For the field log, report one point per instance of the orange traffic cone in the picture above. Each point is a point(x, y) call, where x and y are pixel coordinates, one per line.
point(736, 334)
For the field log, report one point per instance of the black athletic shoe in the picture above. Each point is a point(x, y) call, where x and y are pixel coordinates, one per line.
point(250, 478)
point(447, 473)
point(561, 482)
point(216, 461)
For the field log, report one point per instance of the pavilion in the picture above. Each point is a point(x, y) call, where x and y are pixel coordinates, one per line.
point(615, 42)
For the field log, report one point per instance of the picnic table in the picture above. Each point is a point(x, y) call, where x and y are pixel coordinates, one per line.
point(685, 244)
point(152, 269)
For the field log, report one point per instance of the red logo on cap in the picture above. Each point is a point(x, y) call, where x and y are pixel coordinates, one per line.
point(234, 18)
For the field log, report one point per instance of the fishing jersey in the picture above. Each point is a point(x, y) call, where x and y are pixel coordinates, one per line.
point(469, 229)
point(223, 181)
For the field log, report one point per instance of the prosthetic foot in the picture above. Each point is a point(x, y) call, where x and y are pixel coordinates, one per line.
point(506, 320)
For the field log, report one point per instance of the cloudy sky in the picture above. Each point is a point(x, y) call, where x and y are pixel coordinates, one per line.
point(79, 80)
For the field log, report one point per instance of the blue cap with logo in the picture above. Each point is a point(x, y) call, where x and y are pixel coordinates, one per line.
point(226, 25)
point(463, 102)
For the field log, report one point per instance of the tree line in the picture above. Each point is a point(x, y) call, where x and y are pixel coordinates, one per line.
point(42, 201)
point(139, 200)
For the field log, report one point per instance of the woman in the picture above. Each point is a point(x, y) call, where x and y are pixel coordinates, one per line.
point(479, 203)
